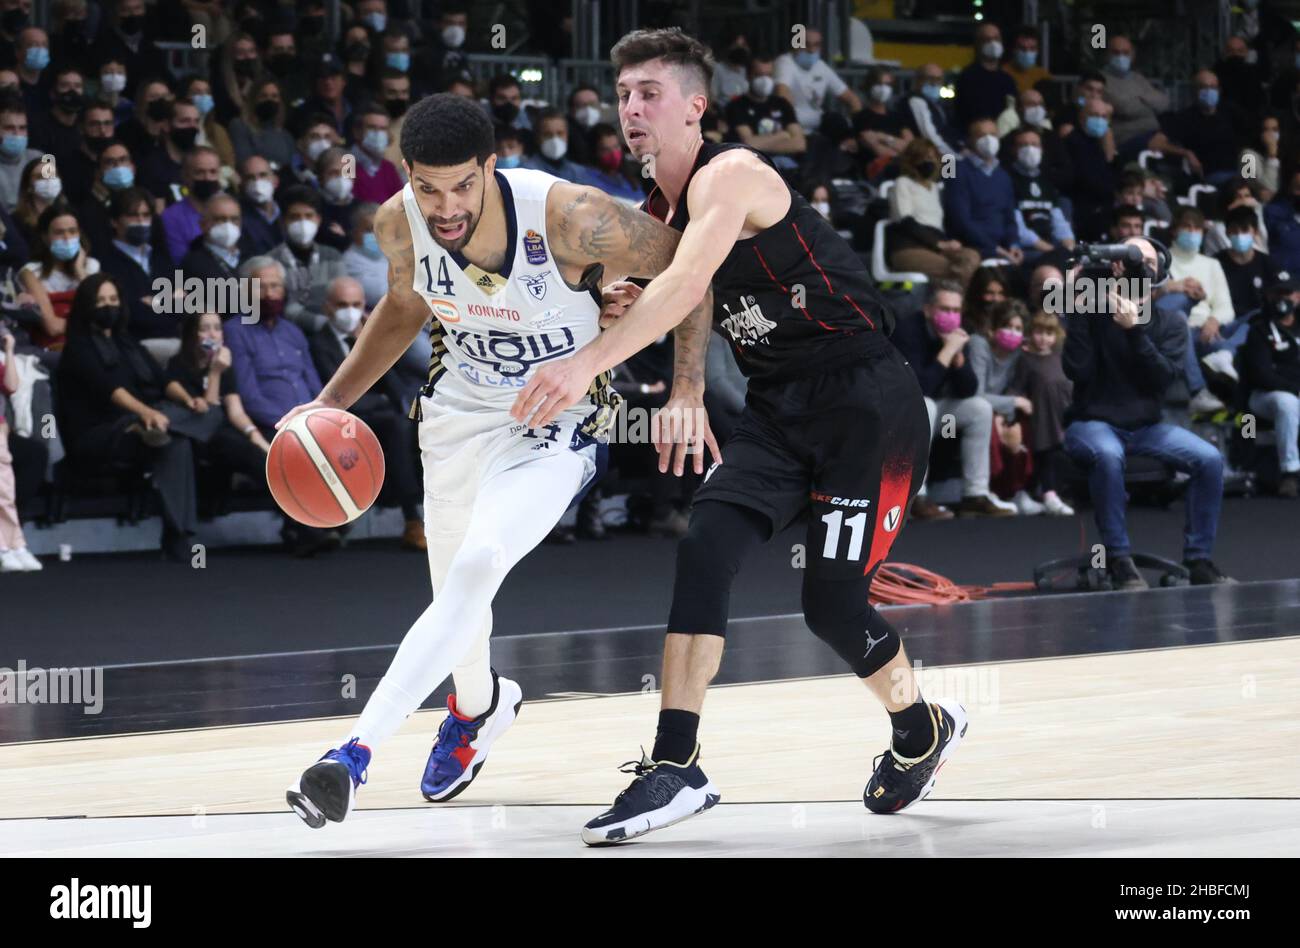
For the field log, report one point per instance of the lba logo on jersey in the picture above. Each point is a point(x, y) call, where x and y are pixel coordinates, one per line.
point(749, 326)
point(534, 248)
point(535, 284)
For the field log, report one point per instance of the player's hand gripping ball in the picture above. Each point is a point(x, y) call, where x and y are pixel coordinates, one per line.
point(325, 467)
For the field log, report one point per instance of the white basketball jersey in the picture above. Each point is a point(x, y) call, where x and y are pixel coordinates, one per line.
point(492, 331)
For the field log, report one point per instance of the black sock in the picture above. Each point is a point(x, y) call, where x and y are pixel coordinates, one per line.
point(913, 729)
point(675, 739)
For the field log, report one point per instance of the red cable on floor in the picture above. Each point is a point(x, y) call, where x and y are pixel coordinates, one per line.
point(904, 584)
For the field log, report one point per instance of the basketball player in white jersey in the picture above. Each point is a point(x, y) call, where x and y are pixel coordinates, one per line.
point(511, 264)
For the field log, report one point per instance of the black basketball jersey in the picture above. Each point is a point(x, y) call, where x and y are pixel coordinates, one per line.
point(794, 299)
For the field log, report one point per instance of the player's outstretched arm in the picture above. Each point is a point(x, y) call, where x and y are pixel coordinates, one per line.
point(392, 325)
point(719, 199)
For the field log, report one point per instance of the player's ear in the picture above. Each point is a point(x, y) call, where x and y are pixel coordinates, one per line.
point(489, 166)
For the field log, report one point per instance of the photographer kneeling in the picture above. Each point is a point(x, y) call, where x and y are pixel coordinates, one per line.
point(1121, 364)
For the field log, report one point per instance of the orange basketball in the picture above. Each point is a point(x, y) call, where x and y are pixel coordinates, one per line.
point(325, 467)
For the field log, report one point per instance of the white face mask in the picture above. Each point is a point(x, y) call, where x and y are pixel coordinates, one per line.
point(987, 146)
point(346, 319)
point(453, 36)
point(1031, 156)
point(1035, 115)
point(881, 93)
point(762, 86)
point(315, 147)
point(224, 235)
point(991, 50)
point(113, 81)
point(338, 189)
point(302, 232)
point(823, 208)
point(555, 147)
point(259, 191)
point(48, 188)
point(587, 116)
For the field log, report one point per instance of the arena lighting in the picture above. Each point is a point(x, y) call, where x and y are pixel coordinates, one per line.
point(948, 92)
point(530, 75)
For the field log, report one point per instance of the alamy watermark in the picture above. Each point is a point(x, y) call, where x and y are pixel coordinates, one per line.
point(23, 685)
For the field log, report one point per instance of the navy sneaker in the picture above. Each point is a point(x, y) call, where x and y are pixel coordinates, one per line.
point(898, 782)
point(663, 793)
point(328, 788)
point(462, 745)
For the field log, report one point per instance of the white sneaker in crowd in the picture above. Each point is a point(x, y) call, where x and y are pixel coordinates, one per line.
point(1026, 505)
point(1055, 506)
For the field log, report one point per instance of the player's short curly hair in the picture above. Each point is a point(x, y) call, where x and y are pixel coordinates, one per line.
point(444, 130)
point(671, 45)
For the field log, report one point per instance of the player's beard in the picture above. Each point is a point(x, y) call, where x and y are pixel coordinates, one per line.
point(471, 224)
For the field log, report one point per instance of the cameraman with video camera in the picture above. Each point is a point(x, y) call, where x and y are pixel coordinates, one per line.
point(1122, 359)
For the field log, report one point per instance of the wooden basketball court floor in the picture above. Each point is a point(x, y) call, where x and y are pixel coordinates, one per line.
point(1160, 723)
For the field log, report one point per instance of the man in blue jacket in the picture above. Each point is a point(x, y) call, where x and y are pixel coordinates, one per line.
point(979, 204)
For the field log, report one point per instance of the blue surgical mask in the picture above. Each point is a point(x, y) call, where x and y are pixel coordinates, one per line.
point(123, 176)
point(1208, 97)
point(507, 161)
point(931, 92)
point(370, 245)
point(1242, 243)
point(13, 145)
point(1026, 58)
point(805, 59)
point(66, 249)
point(203, 102)
point(376, 21)
point(399, 61)
point(1189, 240)
point(1120, 65)
point(38, 57)
point(1095, 126)
point(376, 140)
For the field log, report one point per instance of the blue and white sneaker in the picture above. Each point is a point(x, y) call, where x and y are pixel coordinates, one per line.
point(463, 743)
point(663, 793)
point(328, 788)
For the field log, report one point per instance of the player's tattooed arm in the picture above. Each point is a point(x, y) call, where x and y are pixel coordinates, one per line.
point(589, 226)
point(691, 348)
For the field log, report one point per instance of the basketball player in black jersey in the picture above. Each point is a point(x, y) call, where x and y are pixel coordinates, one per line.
point(834, 424)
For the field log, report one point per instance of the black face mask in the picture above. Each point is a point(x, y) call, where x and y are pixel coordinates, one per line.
point(13, 21)
point(74, 31)
point(356, 52)
point(282, 64)
point(183, 138)
point(97, 143)
point(397, 107)
point(506, 112)
point(106, 316)
point(131, 25)
point(204, 189)
point(266, 110)
point(159, 110)
point(70, 101)
point(137, 235)
point(245, 67)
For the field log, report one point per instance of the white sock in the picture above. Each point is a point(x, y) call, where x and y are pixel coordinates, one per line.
point(472, 678)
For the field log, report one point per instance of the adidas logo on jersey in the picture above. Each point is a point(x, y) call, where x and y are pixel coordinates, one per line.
point(749, 326)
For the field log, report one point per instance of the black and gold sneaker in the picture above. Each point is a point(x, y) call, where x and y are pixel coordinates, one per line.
point(898, 782)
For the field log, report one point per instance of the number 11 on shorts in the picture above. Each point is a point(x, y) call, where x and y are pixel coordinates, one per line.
point(857, 524)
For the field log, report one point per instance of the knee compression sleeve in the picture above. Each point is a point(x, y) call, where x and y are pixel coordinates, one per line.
point(838, 613)
point(708, 557)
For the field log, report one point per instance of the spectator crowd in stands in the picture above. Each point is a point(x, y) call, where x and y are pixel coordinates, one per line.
point(270, 159)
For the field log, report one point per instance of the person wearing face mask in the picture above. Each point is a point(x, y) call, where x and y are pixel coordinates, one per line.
point(330, 345)
point(309, 265)
point(337, 200)
point(32, 58)
point(731, 75)
point(1091, 147)
point(56, 129)
point(162, 170)
point(505, 105)
point(282, 60)
point(583, 115)
point(1241, 79)
point(14, 150)
point(553, 148)
point(979, 202)
point(395, 98)
point(509, 147)
point(443, 57)
point(112, 398)
point(1264, 155)
point(366, 263)
point(259, 214)
point(328, 85)
point(15, 15)
point(804, 79)
point(1023, 66)
point(114, 173)
point(765, 121)
point(134, 259)
point(61, 262)
point(316, 137)
point(181, 221)
point(112, 89)
point(916, 240)
point(610, 170)
point(927, 114)
point(984, 86)
point(146, 128)
point(198, 90)
point(935, 346)
point(260, 129)
point(1206, 135)
point(127, 38)
point(881, 129)
point(1248, 270)
point(1138, 104)
point(1282, 217)
point(216, 252)
point(1269, 367)
point(376, 178)
point(1040, 220)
